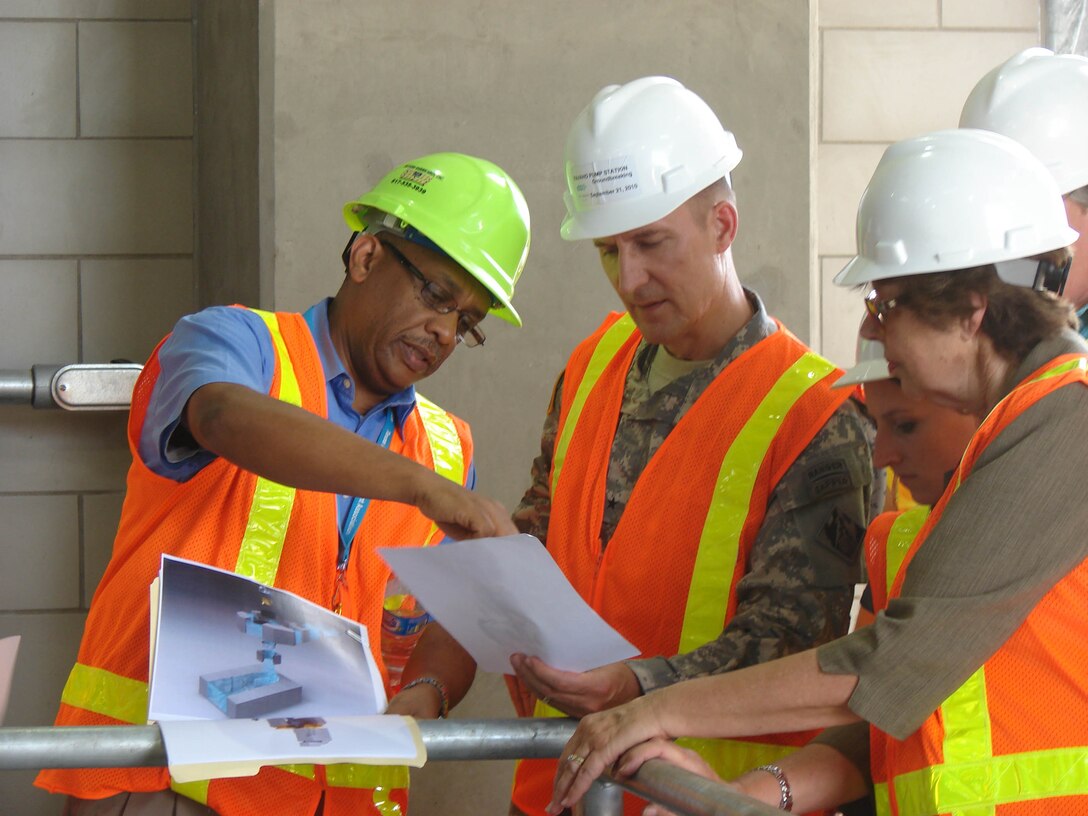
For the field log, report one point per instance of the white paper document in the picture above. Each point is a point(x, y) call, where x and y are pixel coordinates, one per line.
point(205, 749)
point(501, 596)
point(228, 647)
point(9, 647)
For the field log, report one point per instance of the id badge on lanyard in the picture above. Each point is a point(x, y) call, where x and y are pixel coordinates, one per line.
point(349, 526)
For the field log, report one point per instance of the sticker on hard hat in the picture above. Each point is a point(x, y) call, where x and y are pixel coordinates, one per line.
point(598, 182)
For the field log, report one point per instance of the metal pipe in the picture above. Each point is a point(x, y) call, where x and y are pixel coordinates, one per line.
point(604, 798)
point(16, 387)
point(135, 746)
point(687, 794)
point(110, 746)
point(495, 739)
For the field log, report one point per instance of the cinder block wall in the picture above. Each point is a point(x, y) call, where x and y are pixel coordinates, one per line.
point(96, 248)
point(889, 71)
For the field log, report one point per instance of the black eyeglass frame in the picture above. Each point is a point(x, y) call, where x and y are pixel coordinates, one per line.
point(436, 298)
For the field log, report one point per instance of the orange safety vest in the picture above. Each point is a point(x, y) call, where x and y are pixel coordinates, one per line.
point(232, 519)
point(887, 542)
point(1013, 739)
point(667, 580)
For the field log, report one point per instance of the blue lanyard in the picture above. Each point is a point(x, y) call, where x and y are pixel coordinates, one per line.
point(350, 525)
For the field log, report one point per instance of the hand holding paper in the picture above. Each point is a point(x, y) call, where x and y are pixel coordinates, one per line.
point(504, 596)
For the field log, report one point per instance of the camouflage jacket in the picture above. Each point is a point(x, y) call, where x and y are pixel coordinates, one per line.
point(805, 561)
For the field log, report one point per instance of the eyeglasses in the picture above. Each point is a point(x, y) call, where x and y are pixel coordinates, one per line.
point(437, 298)
point(880, 308)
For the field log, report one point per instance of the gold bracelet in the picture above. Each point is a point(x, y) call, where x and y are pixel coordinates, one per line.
point(443, 694)
point(786, 801)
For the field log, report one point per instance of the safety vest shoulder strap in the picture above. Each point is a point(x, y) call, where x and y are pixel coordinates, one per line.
point(721, 537)
point(446, 449)
point(270, 510)
point(447, 452)
point(619, 331)
point(901, 536)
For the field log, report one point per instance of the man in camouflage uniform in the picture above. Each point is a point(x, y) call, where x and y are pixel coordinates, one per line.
point(695, 321)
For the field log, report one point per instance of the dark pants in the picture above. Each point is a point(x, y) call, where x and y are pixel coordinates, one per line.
point(157, 803)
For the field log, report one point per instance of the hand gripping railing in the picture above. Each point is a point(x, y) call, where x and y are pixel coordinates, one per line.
point(134, 746)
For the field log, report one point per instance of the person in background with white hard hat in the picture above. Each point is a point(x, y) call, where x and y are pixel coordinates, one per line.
point(1040, 99)
point(287, 447)
point(971, 683)
point(700, 483)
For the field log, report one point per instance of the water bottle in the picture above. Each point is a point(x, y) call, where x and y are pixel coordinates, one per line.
point(403, 620)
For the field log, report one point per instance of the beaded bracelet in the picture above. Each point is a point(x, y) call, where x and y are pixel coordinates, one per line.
point(786, 801)
point(443, 694)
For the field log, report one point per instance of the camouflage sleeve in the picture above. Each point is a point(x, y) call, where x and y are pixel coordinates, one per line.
point(532, 513)
point(803, 564)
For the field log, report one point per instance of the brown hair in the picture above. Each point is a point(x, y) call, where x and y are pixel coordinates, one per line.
point(1017, 318)
point(1080, 196)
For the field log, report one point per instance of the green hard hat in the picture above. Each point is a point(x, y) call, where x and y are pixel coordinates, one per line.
point(468, 207)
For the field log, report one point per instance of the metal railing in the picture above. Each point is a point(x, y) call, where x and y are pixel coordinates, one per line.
point(135, 746)
point(74, 387)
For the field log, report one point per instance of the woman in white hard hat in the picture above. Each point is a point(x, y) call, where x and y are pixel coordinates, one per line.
point(972, 681)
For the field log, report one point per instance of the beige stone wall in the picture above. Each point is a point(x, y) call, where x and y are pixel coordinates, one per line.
point(889, 71)
point(96, 248)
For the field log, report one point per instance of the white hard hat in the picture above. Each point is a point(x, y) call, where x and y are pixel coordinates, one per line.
point(956, 199)
point(1040, 99)
point(637, 152)
point(870, 364)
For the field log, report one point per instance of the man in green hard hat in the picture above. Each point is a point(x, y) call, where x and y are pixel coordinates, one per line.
point(287, 447)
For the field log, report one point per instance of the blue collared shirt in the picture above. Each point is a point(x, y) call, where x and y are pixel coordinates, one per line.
point(225, 344)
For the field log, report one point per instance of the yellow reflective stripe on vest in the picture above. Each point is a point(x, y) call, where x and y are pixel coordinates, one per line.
point(106, 693)
point(966, 718)
point(446, 451)
point(1068, 365)
point(881, 799)
point(445, 442)
point(367, 776)
point(719, 543)
point(197, 791)
point(979, 787)
point(615, 336)
point(270, 511)
point(731, 758)
point(967, 751)
point(903, 531)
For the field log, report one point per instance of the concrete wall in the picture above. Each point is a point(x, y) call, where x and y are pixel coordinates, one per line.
point(96, 263)
point(889, 71)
